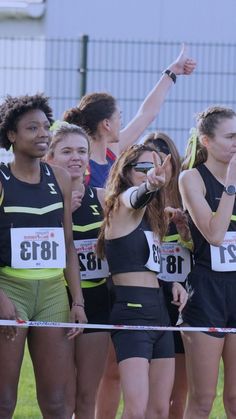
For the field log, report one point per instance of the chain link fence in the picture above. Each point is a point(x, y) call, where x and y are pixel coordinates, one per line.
point(65, 69)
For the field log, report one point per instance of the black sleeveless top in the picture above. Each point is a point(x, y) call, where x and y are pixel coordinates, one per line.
point(24, 204)
point(128, 253)
point(214, 190)
point(87, 219)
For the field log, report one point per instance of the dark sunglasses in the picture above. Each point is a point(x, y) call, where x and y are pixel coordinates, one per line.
point(142, 166)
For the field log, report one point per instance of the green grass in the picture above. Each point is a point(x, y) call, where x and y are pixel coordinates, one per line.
point(27, 407)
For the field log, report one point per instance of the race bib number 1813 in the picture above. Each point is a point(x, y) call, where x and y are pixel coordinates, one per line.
point(38, 247)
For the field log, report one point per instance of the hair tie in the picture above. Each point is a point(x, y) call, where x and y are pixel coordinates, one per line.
point(192, 141)
point(57, 125)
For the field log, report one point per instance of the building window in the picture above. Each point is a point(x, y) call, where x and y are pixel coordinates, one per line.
point(33, 9)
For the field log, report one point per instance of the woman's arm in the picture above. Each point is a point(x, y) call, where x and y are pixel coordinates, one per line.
point(8, 311)
point(101, 196)
point(138, 197)
point(212, 226)
point(152, 104)
point(72, 273)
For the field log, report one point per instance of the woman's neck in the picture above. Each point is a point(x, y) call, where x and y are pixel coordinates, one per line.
point(99, 149)
point(26, 171)
point(217, 168)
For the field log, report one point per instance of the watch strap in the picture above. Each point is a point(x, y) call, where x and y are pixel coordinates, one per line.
point(170, 74)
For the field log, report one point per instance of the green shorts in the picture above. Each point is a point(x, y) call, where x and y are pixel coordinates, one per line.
point(37, 300)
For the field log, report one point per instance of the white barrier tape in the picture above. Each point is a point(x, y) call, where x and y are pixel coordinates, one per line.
point(22, 323)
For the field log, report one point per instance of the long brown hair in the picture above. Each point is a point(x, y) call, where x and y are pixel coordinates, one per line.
point(119, 180)
point(92, 109)
point(207, 123)
point(163, 143)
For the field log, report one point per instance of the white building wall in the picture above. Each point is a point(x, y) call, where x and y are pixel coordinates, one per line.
point(192, 21)
point(158, 20)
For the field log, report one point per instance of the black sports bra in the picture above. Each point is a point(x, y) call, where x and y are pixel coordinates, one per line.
point(128, 253)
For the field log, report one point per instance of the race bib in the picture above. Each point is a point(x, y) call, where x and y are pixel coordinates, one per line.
point(38, 247)
point(91, 267)
point(175, 262)
point(153, 263)
point(223, 257)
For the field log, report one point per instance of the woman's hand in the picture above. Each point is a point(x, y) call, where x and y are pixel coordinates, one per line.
point(76, 201)
point(8, 312)
point(180, 295)
point(77, 315)
point(156, 176)
point(179, 217)
point(183, 64)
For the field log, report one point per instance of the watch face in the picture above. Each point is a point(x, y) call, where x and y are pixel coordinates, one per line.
point(231, 190)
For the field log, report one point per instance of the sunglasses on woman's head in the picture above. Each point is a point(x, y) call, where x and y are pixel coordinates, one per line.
point(142, 166)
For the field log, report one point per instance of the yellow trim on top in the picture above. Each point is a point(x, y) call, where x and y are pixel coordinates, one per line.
point(32, 274)
point(88, 227)
point(92, 284)
point(173, 237)
point(2, 196)
point(233, 217)
point(36, 211)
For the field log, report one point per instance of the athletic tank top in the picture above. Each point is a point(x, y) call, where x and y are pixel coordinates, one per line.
point(87, 220)
point(129, 253)
point(98, 173)
point(27, 205)
point(214, 190)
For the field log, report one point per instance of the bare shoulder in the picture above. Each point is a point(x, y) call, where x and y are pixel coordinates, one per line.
point(192, 189)
point(189, 179)
point(188, 174)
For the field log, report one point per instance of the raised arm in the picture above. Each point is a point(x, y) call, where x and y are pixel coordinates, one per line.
point(138, 197)
point(212, 226)
point(149, 109)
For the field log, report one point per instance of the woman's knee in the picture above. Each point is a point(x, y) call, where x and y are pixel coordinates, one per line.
point(53, 405)
point(202, 403)
point(133, 412)
point(7, 405)
point(230, 404)
point(85, 398)
point(161, 410)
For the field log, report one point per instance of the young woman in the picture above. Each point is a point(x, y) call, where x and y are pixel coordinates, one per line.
point(99, 115)
point(69, 148)
point(208, 193)
point(36, 245)
point(130, 237)
point(176, 260)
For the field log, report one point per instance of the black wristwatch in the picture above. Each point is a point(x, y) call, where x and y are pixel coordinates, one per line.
point(171, 74)
point(230, 189)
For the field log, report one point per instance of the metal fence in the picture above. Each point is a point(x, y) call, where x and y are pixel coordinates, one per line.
point(67, 68)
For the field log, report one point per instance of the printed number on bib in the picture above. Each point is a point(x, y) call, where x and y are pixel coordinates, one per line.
point(38, 247)
point(223, 257)
point(91, 267)
point(153, 262)
point(175, 262)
